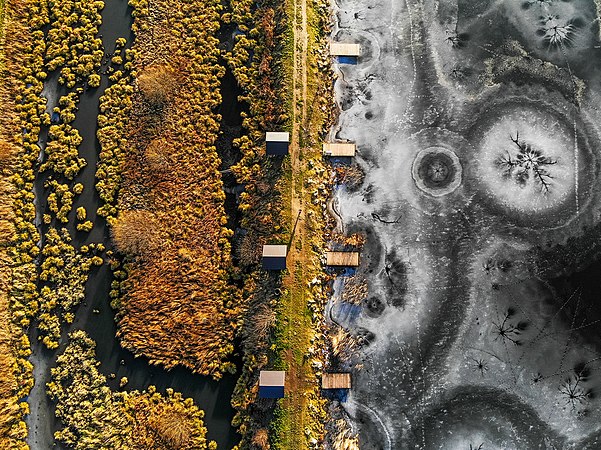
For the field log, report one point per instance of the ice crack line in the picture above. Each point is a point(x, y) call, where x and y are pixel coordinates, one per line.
point(565, 56)
point(411, 44)
point(423, 374)
point(377, 418)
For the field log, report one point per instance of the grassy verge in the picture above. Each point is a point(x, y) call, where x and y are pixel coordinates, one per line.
point(295, 181)
point(300, 416)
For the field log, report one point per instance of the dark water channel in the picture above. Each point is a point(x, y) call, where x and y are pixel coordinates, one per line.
point(95, 315)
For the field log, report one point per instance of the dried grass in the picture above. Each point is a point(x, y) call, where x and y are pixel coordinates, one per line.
point(13, 343)
point(137, 233)
point(344, 345)
point(355, 290)
point(178, 307)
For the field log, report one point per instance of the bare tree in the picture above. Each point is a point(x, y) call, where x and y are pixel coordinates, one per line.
point(507, 331)
point(377, 217)
point(488, 266)
point(491, 265)
point(455, 39)
point(459, 72)
point(557, 34)
point(479, 365)
point(364, 337)
point(573, 391)
point(528, 163)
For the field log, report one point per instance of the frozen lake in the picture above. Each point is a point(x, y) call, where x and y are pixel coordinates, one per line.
point(476, 130)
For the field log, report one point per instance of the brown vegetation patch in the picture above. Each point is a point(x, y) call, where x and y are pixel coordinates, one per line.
point(261, 439)
point(7, 153)
point(157, 156)
point(178, 306)
point(355, 289)
point(157, 84)
point(16, 230)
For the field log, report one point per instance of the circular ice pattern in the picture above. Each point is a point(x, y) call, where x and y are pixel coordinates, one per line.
point(528, 160)
point(437, 171)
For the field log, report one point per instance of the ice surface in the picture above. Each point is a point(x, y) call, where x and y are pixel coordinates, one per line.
point(473, 344)
point(545, 135)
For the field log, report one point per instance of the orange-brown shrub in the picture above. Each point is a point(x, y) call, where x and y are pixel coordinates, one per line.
point(136, 233)
point(261, 439)
point(157, 83)
point(157, 156)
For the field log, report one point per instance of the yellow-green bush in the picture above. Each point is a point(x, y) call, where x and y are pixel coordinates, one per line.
point(95, 418)
point(112, 122)
point(73, 45)
point(64, 272)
